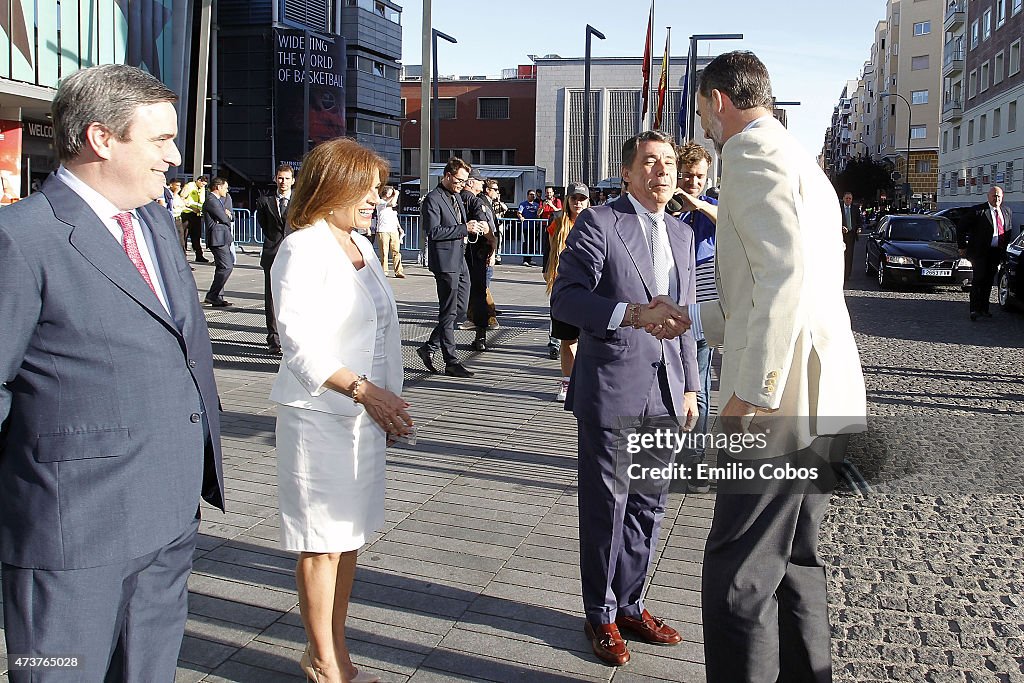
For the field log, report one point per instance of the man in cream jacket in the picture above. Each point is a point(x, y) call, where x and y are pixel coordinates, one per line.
point(790, 365)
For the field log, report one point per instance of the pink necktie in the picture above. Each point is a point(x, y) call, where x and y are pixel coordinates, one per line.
point(999, 221)
point(131, 247)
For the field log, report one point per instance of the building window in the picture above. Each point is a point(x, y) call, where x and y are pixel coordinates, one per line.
point(997, 120)
point(970, 132)
point(982, 125)
point(919, 97)
point(867, 106)
point(919, 62)
point(956, 137)
point(983, 85)
point(972, 84)
point(1008, 182)
point(974, 34)
point(1014, 62)
point(1011, 117)
point(918, 132)
point(945, 141)
point(923, 166)
point(1017, 5)
point(492, 107)
point(922, 28)
point(314, 14)
point(1000, 13)
point(380, 128)
point(403, 107)
point(997, 67)
point(986, 24)
point(373, 67)
point(446, 108)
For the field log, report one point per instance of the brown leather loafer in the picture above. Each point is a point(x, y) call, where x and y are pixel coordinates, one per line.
point(650, 629)
point(608, 645)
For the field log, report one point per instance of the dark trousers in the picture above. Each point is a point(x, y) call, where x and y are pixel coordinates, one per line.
point(179, 225)
point(273, 338)
point(123, 621)
point(985, 265)
point(452, 297)
point(850, 239)
point(223, 263)
point(479, 311)
point(763, 595)
point(618, 527)
point(194, 231)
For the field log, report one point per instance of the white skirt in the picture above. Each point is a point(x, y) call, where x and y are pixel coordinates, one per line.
point(330, 479)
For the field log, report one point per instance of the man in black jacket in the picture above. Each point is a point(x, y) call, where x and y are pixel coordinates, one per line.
point(446, 224)
point(987, 230)
point(272, 216)
point(851, 230)
point(478, 254)
point(217, 226)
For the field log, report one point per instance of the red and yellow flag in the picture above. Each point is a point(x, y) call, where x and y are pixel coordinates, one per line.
point(662, 88)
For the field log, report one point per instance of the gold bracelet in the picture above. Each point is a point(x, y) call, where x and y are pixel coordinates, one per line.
point(634, 317)
point(354, 391)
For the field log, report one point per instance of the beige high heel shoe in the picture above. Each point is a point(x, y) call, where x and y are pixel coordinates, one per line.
point(307, 667)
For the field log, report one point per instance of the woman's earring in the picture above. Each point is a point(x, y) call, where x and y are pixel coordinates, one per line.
point(331, 212)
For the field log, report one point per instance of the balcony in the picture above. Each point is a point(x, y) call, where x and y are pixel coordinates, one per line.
point(952, 110)
point(953, 59)
point(956, 16)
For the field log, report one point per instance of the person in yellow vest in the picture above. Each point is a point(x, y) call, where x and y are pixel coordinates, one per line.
point(194, 194)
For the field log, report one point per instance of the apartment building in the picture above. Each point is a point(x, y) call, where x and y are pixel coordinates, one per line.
point(982, 143)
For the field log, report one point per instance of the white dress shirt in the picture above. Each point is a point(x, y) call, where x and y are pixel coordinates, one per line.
point(619, 312)
point(105, 211)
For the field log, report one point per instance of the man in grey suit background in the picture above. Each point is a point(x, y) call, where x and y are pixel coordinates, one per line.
point(621, 264)
point(109, 430)
point(217, 228)
point(787, 352)
point(446, 224)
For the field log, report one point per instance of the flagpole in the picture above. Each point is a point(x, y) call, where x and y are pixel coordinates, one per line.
point(668, 65)
point(650, 81)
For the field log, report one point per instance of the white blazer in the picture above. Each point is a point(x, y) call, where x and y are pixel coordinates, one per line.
point(327, 320)
point(781, 316)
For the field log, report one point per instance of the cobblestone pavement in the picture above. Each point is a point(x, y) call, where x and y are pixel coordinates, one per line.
point(475, 575)
point(926, 580)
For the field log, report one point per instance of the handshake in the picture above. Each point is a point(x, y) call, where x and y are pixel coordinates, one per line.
point(477, 227)
point(662, 318)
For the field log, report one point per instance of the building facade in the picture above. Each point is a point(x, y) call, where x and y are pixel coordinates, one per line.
point(43, 41)
point(615, 108)
point(291, 73)
point(982, 138)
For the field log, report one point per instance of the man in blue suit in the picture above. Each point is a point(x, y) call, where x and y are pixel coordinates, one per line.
point(217, 226)
point(620, 263)
point(109, 430)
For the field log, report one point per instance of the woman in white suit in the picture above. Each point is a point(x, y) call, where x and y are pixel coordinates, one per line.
point(338, 390)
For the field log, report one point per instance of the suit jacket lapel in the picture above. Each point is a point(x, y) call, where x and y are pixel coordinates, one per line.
point(631, 234)
point(175, 287)
point(680, 247)
point(95, 243)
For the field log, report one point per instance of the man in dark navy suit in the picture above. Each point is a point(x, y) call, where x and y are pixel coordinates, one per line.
point(989, 226)
point(217, 228)
point(109, 426)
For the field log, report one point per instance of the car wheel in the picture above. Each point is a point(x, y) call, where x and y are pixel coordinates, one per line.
point(883, 279)
point(1003, 291)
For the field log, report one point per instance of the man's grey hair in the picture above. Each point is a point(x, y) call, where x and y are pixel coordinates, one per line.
point(108, 95)
point(630, 146)
point(741, 76)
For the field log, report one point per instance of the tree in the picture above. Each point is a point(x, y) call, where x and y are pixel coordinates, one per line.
point(866, 178)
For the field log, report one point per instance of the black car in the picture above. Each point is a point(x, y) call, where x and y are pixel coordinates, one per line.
point(1010, 279)
point(915, 249)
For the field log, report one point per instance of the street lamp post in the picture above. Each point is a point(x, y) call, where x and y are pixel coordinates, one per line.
point(401, 144)
point(910, 115)
point(691, 73)
point(435, 34)
point(586, 105)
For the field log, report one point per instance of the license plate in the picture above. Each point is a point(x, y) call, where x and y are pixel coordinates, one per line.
point(937, 272)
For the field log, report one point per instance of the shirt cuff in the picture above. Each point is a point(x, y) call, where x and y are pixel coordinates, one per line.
point(618, 313)
point(695, 326)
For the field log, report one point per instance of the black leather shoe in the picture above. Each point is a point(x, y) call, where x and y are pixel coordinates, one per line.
point(457, 370)
point(974, 316)
point(986, 314)
point(424, 353)
point(479, 344)
point(202, 260)
point(223, 303)
point(275, 350)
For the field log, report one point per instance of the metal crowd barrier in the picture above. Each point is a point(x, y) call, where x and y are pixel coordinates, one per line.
point(246, 229)
point(518, 238)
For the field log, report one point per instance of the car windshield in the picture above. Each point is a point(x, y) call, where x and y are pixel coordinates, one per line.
point(922, 230)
